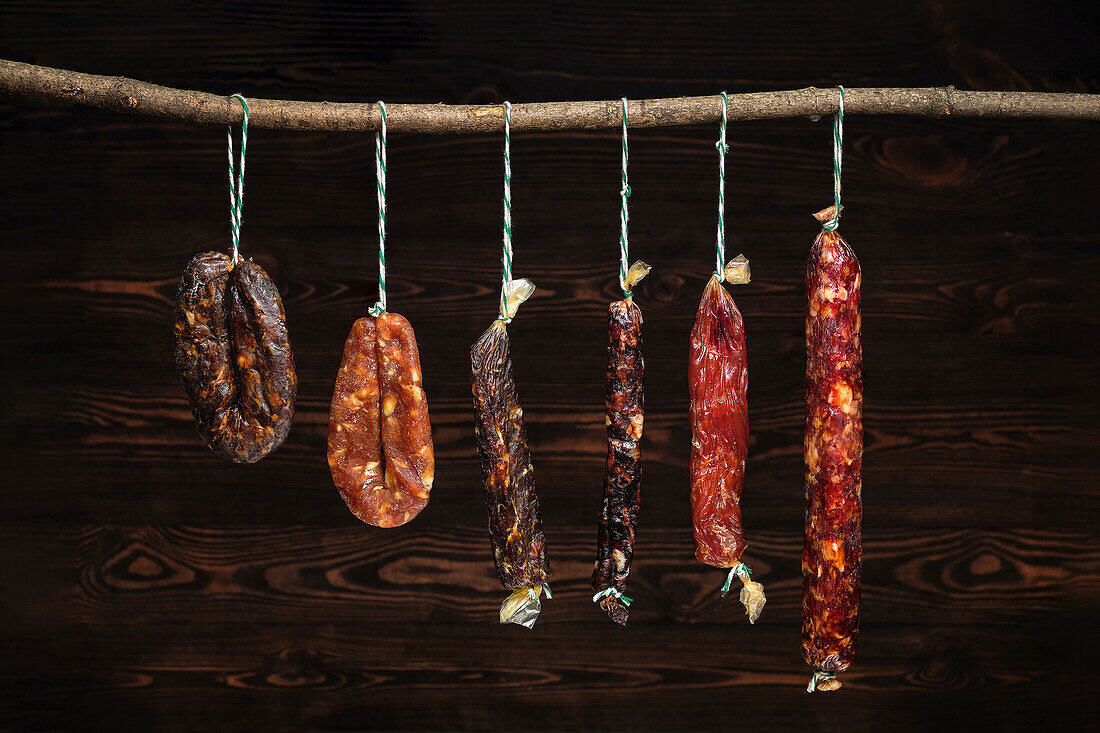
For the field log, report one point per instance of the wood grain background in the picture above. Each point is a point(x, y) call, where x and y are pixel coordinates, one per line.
point(146, 584)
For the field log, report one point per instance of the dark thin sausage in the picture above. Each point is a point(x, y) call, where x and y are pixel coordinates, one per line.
point(622, 476)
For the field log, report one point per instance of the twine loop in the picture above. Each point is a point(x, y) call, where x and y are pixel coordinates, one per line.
point(723, 148)
point(624, 215)
point(838, 149)
point(236, 186)
point(380, 175)
point(506, 258)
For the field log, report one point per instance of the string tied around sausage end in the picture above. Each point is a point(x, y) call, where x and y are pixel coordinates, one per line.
point(824, 681)
point(514, 293)
point(752, 593)
point(522, 607)
point(740, 570)
point(613, 592)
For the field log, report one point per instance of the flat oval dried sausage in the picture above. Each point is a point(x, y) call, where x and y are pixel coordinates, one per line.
point(380, 449)
point(233, 356)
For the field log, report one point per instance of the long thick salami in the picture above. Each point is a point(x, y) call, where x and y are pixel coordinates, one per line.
point(718, 381)
point(623, 475)
point(832, 553)
point(515, 522)
point(380, 449)
point(233, 356)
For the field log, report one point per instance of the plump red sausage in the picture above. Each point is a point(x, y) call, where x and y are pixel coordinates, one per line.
point(718, 382)
point(831, 553)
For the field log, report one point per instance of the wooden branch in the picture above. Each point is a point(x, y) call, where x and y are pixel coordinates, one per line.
point(201, 108)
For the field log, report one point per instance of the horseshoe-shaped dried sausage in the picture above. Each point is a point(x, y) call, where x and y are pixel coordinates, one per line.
point(233, 356)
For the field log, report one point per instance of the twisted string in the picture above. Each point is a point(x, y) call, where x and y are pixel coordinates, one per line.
point(236, 187)
point(838, 149)
point(380, 175)
point(624, 216)
point(612, 591)
point(720, 258)
point(506, 259)
point(817, 678)
point(740, 570)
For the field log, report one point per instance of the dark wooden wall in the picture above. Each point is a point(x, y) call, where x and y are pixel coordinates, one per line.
point(145, 583)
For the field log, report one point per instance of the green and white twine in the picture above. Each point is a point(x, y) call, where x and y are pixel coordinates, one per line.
point(380, 174)
point(624, 216)
point(506, 259)
point(236, 186)
point(612, 591)
point(740, 570)
point(719, 269)
point(838, 149)
point(817, 678)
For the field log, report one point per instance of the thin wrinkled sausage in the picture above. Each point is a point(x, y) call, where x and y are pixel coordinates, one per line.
point(233, 356)
point(380, 451)
point(515, 522)
point(832, 551)
point(624, 414)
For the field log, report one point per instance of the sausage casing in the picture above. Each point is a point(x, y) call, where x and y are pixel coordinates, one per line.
point(233, 356)
point(832, 553)
point(380, 451)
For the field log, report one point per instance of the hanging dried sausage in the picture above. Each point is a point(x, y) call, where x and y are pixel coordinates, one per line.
point(233, 356)
point(832, 552)
point(515, 522)
point(380, 449)
point(718, 381)
point(623, 474)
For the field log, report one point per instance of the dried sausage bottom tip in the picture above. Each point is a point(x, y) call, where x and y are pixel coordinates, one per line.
point(622, 482)
point(718, 383)
point(515, 523)
point(380, 449)
point(233, 356)
point(832, 553)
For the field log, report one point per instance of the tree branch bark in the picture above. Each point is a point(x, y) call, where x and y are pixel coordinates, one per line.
point(200, 108)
